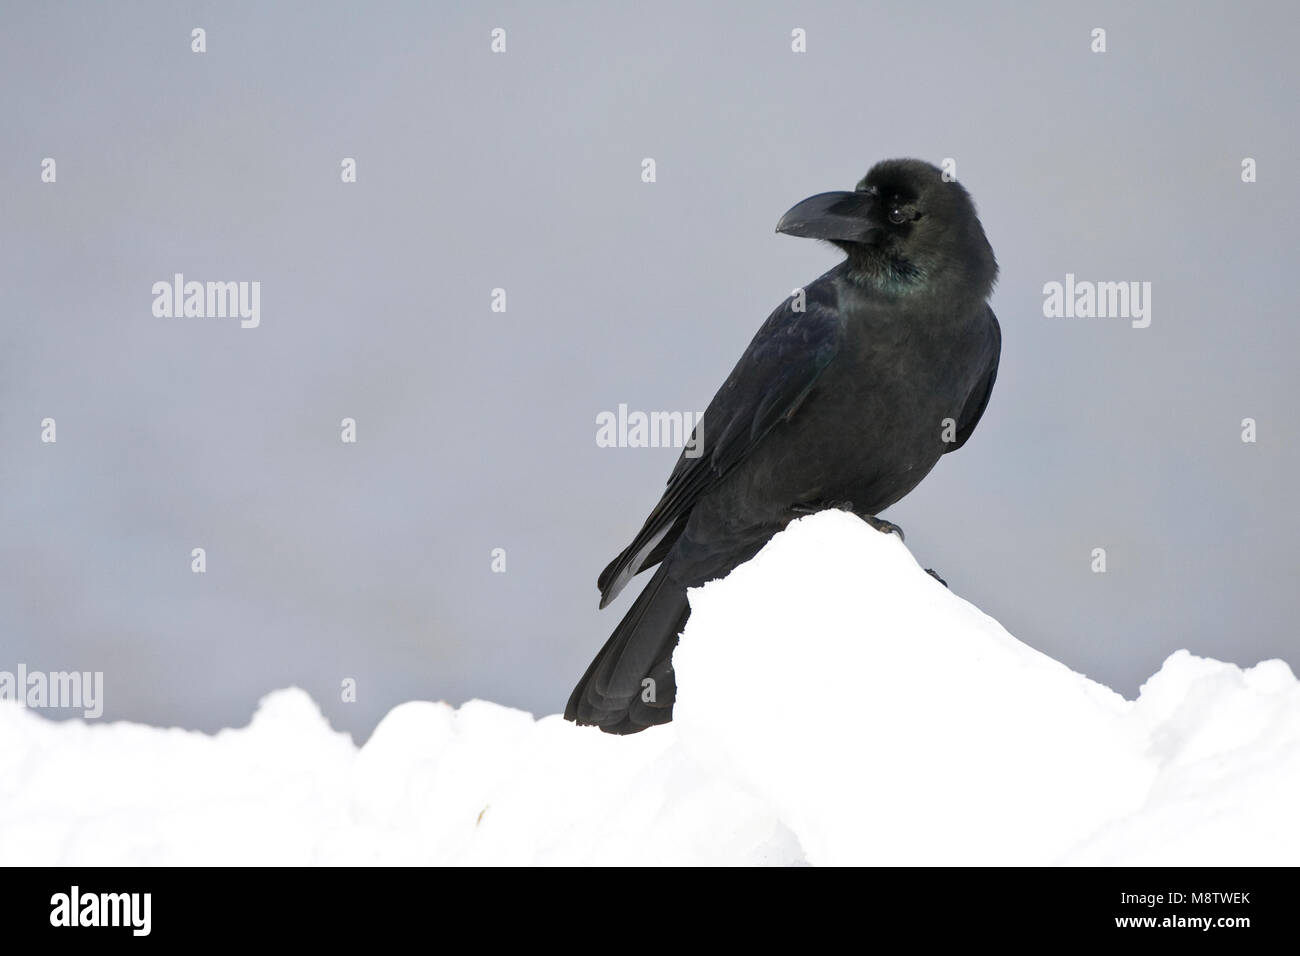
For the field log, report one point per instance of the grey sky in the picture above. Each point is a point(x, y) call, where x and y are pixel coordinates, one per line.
point(477, 429)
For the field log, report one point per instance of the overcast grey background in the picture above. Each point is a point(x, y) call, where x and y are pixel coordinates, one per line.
point(477, 429)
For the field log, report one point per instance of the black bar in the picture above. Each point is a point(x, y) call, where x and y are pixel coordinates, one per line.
point(332, 905)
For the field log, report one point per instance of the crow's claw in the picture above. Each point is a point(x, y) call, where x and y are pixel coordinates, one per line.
point(883, 526)
point(880, 524)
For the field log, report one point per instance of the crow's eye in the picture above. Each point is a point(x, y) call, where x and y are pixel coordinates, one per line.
point(897, 215)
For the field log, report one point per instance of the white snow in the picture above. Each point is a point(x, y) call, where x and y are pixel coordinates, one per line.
point(836, 705)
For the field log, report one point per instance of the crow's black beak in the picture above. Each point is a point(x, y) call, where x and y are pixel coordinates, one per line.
point(840, 215)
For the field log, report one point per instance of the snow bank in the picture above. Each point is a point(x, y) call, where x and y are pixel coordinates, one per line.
point(836, 705)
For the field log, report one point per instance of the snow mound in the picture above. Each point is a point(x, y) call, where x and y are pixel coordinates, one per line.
point(836, 706)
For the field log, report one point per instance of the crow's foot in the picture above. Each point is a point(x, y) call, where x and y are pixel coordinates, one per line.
point(930, 571)
point(883, 526)
point(880, 524)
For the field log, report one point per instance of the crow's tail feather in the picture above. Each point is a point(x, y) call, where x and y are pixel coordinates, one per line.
point(613, 694)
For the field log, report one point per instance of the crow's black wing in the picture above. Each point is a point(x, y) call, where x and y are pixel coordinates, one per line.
point(973, 410)
point(772, 378)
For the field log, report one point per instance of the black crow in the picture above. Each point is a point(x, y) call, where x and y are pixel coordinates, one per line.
point(845, 399)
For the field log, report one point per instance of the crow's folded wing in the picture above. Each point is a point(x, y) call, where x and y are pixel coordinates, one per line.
point(973, 410)
point(768, 384)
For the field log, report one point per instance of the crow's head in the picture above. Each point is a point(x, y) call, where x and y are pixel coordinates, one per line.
point(903, 228)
